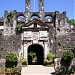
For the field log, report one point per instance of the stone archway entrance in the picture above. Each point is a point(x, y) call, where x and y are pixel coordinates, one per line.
point(38, 57)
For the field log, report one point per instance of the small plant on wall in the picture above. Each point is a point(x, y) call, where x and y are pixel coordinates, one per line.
point(18, 29)
point(10, 16)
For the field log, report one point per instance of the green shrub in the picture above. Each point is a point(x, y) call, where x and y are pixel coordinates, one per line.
point(24, 61)
point(67, 55)
point(11, 59)
point(13, 71)
point(51, 56)
point(47, 62)
point(50, 59)
point(66, 59)
point(16, 70)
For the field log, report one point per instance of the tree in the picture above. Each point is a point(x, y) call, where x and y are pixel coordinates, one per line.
point(72, 21)
point(33, 55)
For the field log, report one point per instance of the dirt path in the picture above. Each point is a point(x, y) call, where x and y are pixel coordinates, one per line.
point(37, 70)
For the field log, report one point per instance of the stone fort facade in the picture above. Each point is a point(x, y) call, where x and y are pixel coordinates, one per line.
point(41, 32)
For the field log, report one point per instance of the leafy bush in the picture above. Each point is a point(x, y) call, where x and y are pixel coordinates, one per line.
point(16, 70)
point(51, 56)
point(11, 59)
point(24, 61)
point(67, 55)
point(66, 59)
point(47, 62)
point(13, 71)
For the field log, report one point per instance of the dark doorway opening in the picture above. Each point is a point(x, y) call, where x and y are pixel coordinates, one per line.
point(38, 54)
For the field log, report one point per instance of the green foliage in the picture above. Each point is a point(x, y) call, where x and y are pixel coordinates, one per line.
point(32, 54)
point(66, 59)
point(9, 16)
point(24, 61)
point(50, 58)
point(16, 70)
point(18, 29)
point(67, 55)
point(13, 71)
point(72, 21)
point(11, 59)
point(47, 62)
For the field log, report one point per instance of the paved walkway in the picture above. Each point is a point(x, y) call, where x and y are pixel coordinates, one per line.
point(37, 70)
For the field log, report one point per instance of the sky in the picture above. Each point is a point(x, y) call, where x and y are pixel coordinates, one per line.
point(49, 6)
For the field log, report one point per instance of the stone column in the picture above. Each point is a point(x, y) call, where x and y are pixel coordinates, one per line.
point(14, 21)
point(27, 10)
point(46, 49)
point(56, 18)
point(41, 8)
point(5, 32)
point(25, 50)
point(41, 5)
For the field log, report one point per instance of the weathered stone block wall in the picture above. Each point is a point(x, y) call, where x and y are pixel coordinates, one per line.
point(10, 43)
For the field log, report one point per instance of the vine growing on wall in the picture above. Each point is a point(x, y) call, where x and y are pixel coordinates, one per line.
point(18, 29)
point(10, 18)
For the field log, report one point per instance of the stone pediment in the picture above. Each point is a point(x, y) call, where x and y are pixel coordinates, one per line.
point(40, 23)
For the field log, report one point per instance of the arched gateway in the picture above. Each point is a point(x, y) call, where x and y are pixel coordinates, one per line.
point(38, 56)
point(35, 40)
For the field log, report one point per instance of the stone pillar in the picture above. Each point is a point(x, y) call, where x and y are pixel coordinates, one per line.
point(56, 18)
point(46, 49)
point(5, 32)
point(41, 5)
point(41, 8)
point(25, 50)
point(27, 10)
point(14, 21)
